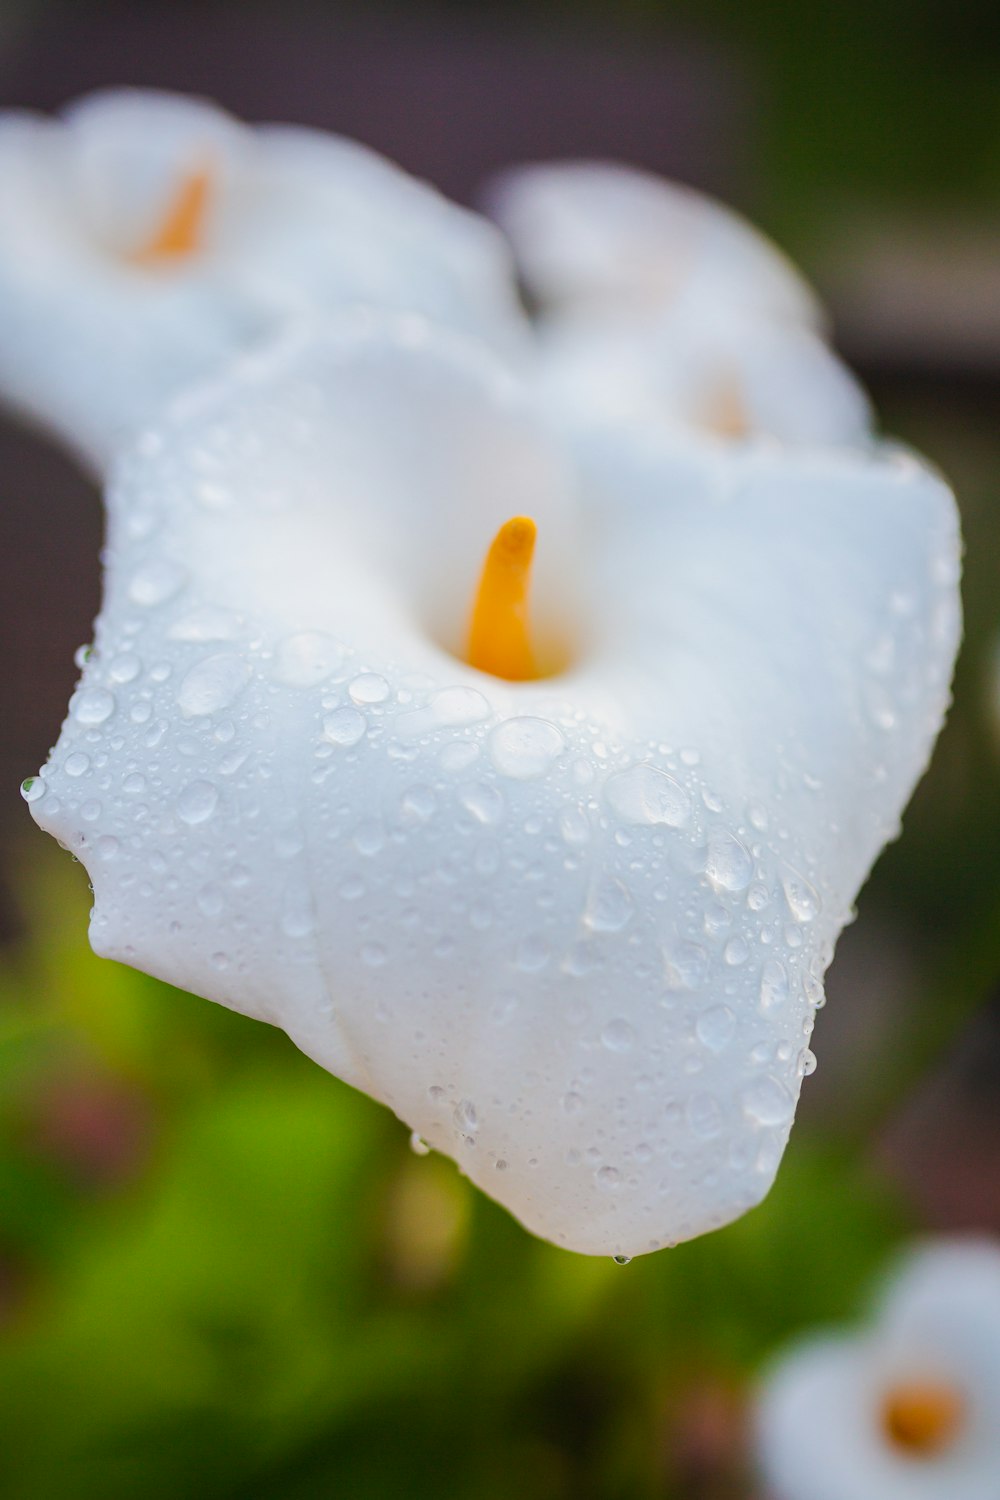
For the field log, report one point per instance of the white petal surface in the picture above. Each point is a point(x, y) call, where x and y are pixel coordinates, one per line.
point(599, 234)
point(720, 372)
point(91, 343)
point(571, 931)
point(819, 1431)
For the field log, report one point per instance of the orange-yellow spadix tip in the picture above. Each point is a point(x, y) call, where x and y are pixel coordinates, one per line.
point(499, 637)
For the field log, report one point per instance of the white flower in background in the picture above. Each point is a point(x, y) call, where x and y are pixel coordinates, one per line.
point(557, 881)
point(658, 304)
point(146, 237)
point(908, 1408)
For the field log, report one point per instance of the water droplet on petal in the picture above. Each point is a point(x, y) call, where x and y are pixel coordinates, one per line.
point(344, 727)
point(803, 899)
point(773, 984)
point(610, 907)
point(197, 802)
point(645, 795)
point(618, 1036)
point(769, 1103)
point(524, 748)
point(728, 865)
point(306, 659)
point(92, 706)
point(715, 1027)
point(155, 582)
point(368, 688)
point(33, 788)
point(212, 684)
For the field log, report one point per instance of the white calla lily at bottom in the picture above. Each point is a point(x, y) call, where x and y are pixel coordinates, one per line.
point(908, 1409)
point(571, 930)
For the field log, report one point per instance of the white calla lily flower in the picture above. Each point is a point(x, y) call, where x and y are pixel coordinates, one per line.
point(592, 234)
point(657, 304)
point(908, 1409)
point(571, 929)
point(147, 237)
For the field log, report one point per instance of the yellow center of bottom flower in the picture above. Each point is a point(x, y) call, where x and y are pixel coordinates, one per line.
point(922, 1417)
point(181, 231)
point(499, 637)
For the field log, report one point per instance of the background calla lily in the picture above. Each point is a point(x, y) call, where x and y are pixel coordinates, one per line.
point(908, 1408)
point(571, 930)
point(657, 304)
point(145, 237)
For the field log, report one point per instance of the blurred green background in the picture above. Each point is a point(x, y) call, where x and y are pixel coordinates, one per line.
point(224, 1274)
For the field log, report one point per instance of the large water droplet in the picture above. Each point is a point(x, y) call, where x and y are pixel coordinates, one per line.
point(483, 801)
point(155, 582)
point(368, 688)
point(92, 705)
point(769, 1103)
point(212, 684)
point(773, 984)
point(645, 795)
point(197, 802)
point(610, 907)
point(728, 864)
point(306, 659)
point(685, 966)
point(618, 1035)
point(524, 748)
point(803, 899)
point(715, 1027)
point(344, 727)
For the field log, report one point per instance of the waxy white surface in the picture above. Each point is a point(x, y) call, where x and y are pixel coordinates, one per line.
point(572, 931)
point(819, 1419)
point(298, 223)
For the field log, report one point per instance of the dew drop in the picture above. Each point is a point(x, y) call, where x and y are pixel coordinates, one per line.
point(155, 582)
point(484, 802)
point(368, 688)
point(197, 802)
point(773, 984)
point(622, 1260)
point(212, 684)
point(418, 1145)
point(685, 966)
point(32, 788)
point(306, 659)
point(77, 764)
point(803, 899)
point(610, 907)
point(769, 1103)
point(92, 705)
point(728, 864)
point(124, 668)
point(715, 1027)
point(524, 748)
point(344, 727)
point(618, 1036)
point(646, 795)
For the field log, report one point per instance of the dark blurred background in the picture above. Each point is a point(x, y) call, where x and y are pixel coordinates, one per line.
point(221, 1273)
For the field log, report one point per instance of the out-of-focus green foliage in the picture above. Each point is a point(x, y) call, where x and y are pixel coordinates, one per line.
point(226, 1274)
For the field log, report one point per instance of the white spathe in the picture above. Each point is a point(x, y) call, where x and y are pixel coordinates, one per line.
point(297, 222)
point(656, 303)
point(572, 931)
point(820, 1429)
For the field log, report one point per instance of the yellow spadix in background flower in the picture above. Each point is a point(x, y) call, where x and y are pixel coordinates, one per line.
point(182, 231)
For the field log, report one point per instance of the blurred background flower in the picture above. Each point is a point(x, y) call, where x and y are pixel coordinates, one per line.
point(221, 1272)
